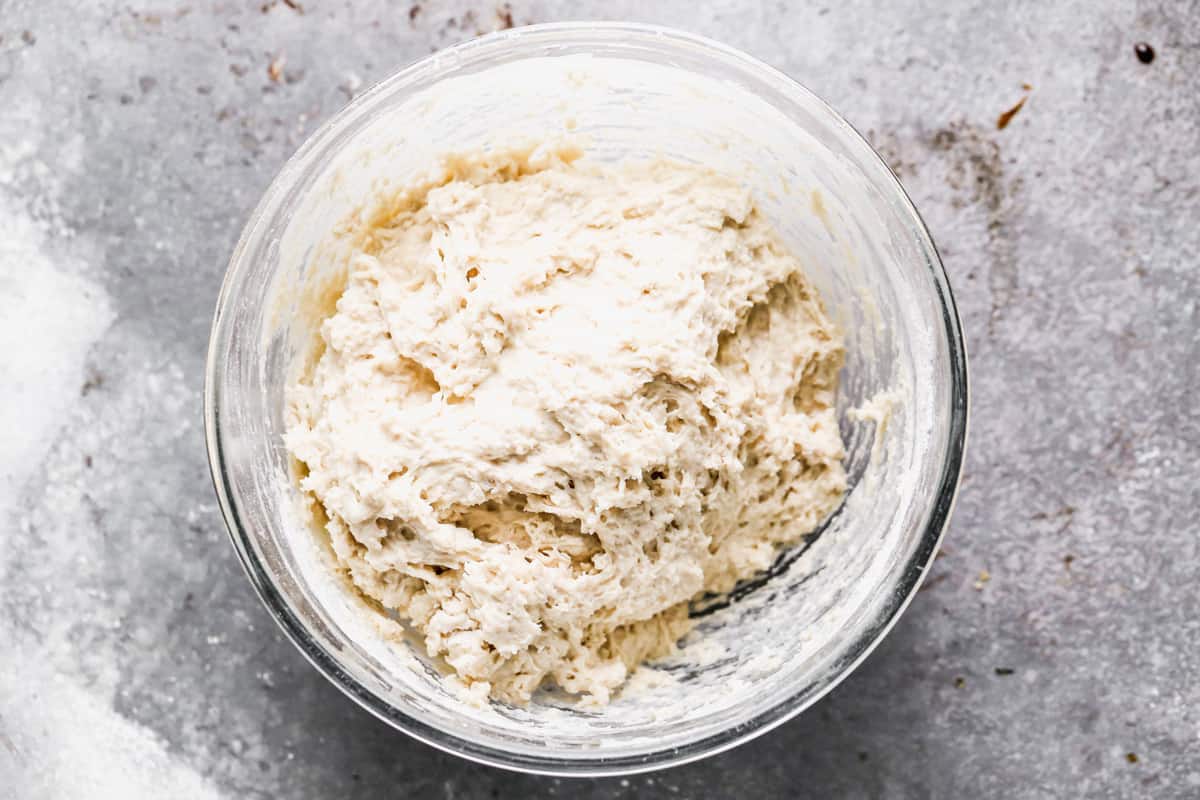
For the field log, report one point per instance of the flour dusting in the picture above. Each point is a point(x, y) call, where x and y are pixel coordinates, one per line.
point(59, 735)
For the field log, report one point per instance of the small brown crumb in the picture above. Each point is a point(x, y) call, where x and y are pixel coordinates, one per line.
point(504, 13)
point(1144, 52)
point(1003, 671)
point(1005, 118)
point(1132, 758)
point(944, 139)
point(1067, 559)
point(1065, 511)
point(294, 6)
point(275, 68)
point(414, 12)
point(1027, 87)
point(984, 577)
point(960, 682)
point(28, 37)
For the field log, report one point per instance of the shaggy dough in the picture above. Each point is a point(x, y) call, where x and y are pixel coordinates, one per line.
point(556, 402)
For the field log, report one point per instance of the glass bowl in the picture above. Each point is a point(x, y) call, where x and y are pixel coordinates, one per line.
point(777, 643)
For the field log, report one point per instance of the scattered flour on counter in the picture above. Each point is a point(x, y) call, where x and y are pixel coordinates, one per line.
point(51, 318)
point(58, 737)
point(59, 740)
point(52, 312)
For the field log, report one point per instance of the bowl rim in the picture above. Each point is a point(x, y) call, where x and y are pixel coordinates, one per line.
point(911, 576)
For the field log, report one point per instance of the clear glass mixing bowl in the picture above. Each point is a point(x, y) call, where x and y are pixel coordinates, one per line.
point(778, 643)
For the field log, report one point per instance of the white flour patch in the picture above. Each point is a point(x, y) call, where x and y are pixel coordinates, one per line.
point(58, 740)
point(59, 735)
point(52, 317)
point(52, 312)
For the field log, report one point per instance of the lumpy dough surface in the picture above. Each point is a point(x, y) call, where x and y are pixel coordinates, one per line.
point(555, 402)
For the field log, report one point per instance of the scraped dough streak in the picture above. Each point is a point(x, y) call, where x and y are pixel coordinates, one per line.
point(556, 401)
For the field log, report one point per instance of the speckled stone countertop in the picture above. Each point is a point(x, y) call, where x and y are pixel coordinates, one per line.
point(1055, 649)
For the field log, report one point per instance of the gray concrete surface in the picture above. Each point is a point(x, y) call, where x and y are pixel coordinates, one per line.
point(135, 660)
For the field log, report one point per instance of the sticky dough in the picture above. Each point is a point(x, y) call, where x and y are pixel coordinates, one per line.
point(556, 401)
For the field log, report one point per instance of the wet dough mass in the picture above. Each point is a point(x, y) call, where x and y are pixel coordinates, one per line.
point(556, 401)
